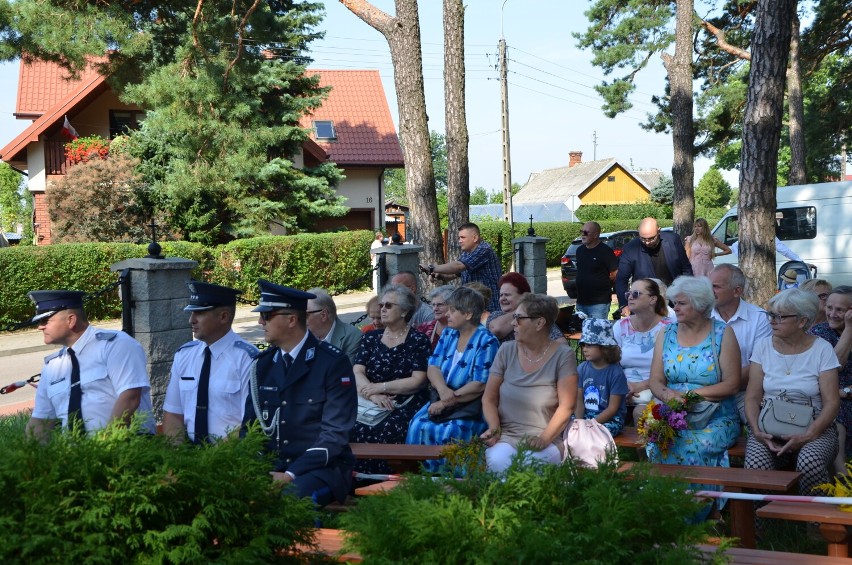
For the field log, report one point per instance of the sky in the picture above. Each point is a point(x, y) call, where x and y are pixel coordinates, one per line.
point(553, 108)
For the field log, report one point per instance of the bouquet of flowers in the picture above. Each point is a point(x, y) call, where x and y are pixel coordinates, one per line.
point(661, 423)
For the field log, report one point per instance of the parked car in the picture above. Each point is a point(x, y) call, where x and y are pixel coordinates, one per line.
point(615, 240)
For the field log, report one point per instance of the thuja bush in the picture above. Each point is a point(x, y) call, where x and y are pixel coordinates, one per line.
point(537, 514)
point(121, 497)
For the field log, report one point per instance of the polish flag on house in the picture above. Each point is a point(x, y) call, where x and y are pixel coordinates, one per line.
point(68, 130)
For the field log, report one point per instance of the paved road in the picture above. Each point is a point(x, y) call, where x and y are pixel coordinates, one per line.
point(22, 353)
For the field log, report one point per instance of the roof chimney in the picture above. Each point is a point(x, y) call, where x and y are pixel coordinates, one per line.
point(574, 158)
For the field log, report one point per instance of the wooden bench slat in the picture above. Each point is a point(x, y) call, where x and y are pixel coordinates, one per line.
point(377, 488)
point(396, 451)
point(629, 437)
point(732, 477)
point(743, 556)
point(833, 522)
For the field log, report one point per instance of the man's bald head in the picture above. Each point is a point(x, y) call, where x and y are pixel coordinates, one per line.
point(649, 232)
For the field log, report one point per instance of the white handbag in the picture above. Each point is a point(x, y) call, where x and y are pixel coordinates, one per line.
point(589, 442)
point(787, 415)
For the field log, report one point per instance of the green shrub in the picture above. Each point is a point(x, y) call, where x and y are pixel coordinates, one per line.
point(600, 212)
point(538, 514)
point(122, 497)
point(331, 261)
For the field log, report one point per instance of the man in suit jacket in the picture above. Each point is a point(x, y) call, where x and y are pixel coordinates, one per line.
point(326, 326)
point(303, 395)
point(654, 254)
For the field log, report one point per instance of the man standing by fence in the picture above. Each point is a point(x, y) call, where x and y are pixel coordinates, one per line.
point(477, 262)
point(596, 268)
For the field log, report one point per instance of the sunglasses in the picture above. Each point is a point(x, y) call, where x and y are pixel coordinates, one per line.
point(823, 296)
point(649, 239)
point(634, 294)
point(266, 316)
point(386, 305)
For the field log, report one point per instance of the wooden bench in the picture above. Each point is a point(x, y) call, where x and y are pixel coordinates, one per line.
point(330, 542)
point(377, 488)
point(629, 437)
point(400, 456)
point(832, 520)
point(732, 479)
point(744, 556)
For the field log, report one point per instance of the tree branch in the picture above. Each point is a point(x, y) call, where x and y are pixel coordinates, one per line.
point(723, 43)
point(372, 16)
point(239, 52)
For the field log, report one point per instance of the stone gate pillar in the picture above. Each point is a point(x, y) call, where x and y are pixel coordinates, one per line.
point(158, 294)
point(396, 258)
point(531, 260)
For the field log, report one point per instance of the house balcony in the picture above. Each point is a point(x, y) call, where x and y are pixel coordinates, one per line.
point(55, 162)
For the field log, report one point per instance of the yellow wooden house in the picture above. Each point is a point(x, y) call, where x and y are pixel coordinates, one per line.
point(605, 181)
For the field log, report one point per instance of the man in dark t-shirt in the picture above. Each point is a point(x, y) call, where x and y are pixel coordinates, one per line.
point(596, 268)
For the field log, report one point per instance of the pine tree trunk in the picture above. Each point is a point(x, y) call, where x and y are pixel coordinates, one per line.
point(458, 170)
point(402, 33)
point(679, 70)
point(796, 103)
point(761, 137)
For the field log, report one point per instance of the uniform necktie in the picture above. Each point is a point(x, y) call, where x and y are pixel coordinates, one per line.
point(75, 399)
point(288, 362)
point(201, 399)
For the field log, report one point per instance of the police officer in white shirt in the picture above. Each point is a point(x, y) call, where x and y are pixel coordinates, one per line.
point(98, 375)
point(210, 376)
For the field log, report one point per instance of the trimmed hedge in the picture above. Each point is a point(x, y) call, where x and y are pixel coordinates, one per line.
point(326, 260)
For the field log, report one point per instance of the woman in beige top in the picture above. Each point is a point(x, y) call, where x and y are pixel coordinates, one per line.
point(531, 389)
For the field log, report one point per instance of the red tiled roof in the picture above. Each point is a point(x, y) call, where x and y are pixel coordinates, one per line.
point(362, 120)
point(41, 84)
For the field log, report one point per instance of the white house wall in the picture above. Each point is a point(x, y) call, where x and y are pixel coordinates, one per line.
point(362, 191)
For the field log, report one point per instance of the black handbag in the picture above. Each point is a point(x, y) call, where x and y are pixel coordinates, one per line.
point(470, 410)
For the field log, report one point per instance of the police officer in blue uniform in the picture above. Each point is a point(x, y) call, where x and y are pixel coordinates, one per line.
point(97, 376)
point(303, 395)
point(209, 381)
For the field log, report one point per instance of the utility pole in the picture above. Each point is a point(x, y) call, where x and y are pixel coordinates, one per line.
point(504, 91)
point(595, 145)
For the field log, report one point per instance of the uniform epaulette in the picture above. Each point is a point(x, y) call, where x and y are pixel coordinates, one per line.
point(248, 348)
point(331, 348)
point(52, 356)
point(105, 335)
point(192, 343)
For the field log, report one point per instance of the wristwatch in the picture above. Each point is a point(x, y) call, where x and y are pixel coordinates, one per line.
point(846, 391)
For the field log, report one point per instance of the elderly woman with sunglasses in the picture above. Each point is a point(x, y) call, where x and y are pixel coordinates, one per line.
point(794, 364)
point(513, 287)
point(700, 355)
point(458, 370)
point(531, 390)
point(390, 371)
point(435, 327)
point(837, 331)
point(636, 334)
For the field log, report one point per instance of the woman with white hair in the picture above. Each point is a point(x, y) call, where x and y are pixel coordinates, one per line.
point(700, 355)
point(793, 365)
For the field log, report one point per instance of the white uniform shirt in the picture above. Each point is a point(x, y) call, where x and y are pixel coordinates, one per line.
point(779, 247)
point(749, 324)
point(111, 362)
point(230, 366)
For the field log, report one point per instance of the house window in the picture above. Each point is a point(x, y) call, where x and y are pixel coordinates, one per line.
point(610, 178)
point(324, 129)
point(123, 121)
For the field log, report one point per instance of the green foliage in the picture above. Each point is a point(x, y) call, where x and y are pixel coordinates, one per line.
point(538, 514)
point(712, 190)
point(11, 198)
point(119, 496)
point(85, 149)
point(395, 178)
point(663, 193)
point(478, 196)
point(74, 266)
point(637, 210)
point(395, 186)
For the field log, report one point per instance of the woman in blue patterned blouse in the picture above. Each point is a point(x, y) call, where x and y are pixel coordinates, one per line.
point(458, 370)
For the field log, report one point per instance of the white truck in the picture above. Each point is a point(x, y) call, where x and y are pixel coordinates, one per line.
point(814, 221)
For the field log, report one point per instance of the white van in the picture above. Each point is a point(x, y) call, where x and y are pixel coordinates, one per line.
point(814, 221)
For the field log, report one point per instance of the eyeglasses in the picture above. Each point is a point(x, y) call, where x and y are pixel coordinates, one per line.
point(386, 305)
point(823, 296)
point(309, 312)
point(439, 305)
point(634, 294)
point(649, 239)
point(266, 316)
point(773, 317)
point(518, 317)
point(586, 232)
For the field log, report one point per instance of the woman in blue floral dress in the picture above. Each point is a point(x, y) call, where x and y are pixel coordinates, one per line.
point(458, 371)
point(701, 355)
